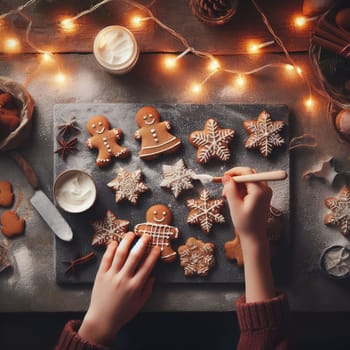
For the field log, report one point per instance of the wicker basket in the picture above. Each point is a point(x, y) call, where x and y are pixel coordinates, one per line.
point(21, 133)
point(336, 90)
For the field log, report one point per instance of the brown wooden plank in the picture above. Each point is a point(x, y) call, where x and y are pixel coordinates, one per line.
point(228, 39)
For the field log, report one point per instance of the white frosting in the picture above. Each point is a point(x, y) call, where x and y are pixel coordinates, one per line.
point(115, 47)
point(337, 261)
point(75, 192)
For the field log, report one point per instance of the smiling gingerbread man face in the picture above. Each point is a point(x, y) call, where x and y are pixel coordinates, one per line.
point(147, 116)
point(97, 125)
point(159, 214)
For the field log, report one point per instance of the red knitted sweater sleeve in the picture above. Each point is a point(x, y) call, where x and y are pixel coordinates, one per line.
point(264, 325)
point(70, 340)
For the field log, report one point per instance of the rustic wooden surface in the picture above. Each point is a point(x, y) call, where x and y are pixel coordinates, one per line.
point(228, 39)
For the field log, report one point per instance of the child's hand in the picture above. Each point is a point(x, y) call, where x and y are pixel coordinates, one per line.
point(122, 286)
point(249, 204)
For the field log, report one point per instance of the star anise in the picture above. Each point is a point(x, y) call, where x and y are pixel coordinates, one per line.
point(66, 147)
point(68, 128)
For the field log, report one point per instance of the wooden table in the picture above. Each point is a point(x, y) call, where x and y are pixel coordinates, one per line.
point(30, 285)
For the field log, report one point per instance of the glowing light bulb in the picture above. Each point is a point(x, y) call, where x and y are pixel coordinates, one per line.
point(170, 62)
point(240, 80)
point(300, 21)
point(47, 57)
point(60, 78)
point(196, 88)
point(253, 48)
point(309, 103)
point(11, 45)
point(290, 68)
point(68, 25)
point(136, 21)
point(214, 65)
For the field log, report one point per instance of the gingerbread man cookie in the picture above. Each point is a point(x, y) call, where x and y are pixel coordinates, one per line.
point(105, 140)
point(11, 224)
point(156, 139)
point(6, 194)
point(157, 225)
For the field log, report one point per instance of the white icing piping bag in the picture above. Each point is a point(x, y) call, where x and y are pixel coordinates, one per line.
point(275, 175)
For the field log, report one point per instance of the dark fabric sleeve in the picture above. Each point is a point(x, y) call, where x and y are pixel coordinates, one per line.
point(70, 340)
point(264, 325)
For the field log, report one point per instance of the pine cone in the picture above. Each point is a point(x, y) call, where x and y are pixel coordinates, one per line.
point(214, 8)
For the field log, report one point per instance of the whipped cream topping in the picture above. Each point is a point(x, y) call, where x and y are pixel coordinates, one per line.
point(75, 192)
point(115, 46)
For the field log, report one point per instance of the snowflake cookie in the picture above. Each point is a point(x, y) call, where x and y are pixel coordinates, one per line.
point(340, 211)
point(128, 185)
point(212, 142)
point(109, 229)
point(264, 133)
point(205, 211)
point(157, 225)
point(196, 257)
point(177, 177)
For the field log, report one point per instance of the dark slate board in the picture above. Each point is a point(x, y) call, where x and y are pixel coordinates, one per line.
point(184, 119)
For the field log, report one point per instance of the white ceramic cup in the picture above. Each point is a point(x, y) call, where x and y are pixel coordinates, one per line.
point(115, 49)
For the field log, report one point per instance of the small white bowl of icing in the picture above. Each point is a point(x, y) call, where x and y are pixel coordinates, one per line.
point(74, 191)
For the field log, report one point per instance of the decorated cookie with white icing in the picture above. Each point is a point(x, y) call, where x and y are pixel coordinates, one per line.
point(196, 257)
point(128, 185)
point(340, 211)
point(154, 134)
point(264, 133)
point(108, 229)
point(205, 211)
point(177, 177)
point(157, 225)
point(212, 142)
point(104, 139)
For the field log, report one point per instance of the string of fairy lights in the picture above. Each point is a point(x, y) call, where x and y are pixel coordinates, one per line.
point(69, 25)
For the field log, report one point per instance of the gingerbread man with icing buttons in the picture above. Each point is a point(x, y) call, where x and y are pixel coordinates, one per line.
point(105, 140)
point(156, 139)
point(158, 219)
